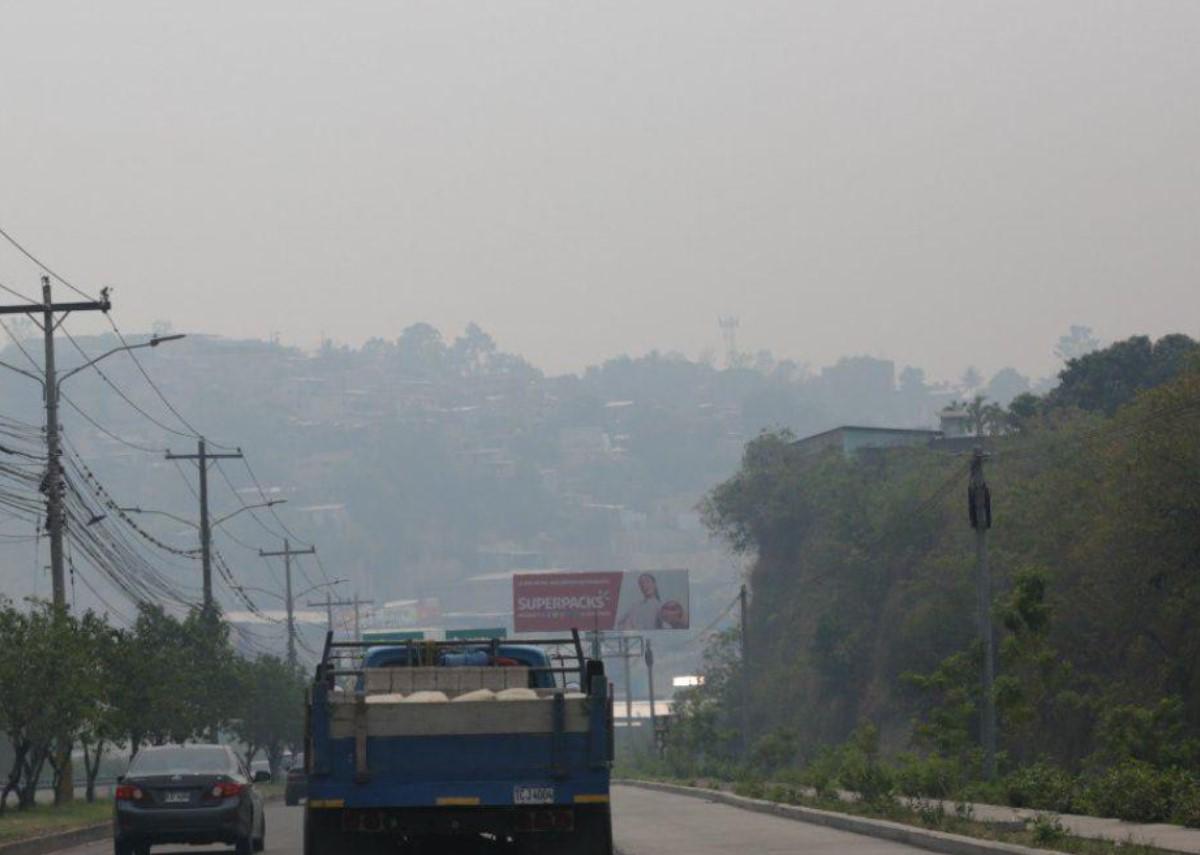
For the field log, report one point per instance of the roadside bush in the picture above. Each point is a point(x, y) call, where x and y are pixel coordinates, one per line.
point(1185, 802)
point(934, 777)
point(822, 773)
point(1043, 787)
point(861, 770)
point(775, 751)
point(1047, 829)
point(1137, 792)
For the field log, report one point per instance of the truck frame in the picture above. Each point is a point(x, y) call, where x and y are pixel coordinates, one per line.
point(482, 745)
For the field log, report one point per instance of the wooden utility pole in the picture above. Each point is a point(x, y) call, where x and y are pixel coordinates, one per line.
point(286, 553)
point(979, 499)
point(744, 601)
point(354, 601)
point(54, 487)
point(55, 515)
point(202, 458)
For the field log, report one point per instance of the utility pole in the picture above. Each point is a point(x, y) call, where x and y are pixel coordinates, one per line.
point(743, 599)
point(353, 601)
point(979, 499)
point(286, 553)
point(202, 458)
point(55, 517)
point(54, 487)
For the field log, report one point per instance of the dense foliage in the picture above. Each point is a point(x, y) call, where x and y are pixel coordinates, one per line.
point(863, 603)
point(165, 679)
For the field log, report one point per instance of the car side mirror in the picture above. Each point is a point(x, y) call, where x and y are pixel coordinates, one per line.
point(120, 779)
point(262, 776)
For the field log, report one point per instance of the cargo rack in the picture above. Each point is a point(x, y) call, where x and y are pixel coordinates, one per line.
point(424, 652)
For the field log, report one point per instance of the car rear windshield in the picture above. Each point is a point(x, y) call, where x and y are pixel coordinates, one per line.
point(198, 760)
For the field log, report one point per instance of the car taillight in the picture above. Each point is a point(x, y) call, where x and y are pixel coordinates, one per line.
point(225, 789)
point(129, 793)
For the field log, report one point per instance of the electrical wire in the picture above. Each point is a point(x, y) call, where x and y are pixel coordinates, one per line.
point(120, 392)
point(263, 494)
point(42, 265)
point(128, 443)
point(16, 293)
point(157, 391)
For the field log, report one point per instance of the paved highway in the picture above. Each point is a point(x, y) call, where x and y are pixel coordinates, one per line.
point(647, 823)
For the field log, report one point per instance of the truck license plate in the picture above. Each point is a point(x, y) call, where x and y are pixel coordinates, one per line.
point(533, 795)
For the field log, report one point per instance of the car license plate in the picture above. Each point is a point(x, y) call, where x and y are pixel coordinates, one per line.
point(533, 795)
point(178, 797)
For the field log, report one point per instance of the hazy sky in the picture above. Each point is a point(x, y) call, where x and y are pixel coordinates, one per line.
point(935, 182)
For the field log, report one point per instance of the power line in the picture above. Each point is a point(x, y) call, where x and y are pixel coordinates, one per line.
point(120, 392)
point(42, 265)
point(126, 442)
point(261, 492)
point(720, 617)
point(157, 391)
point(229, 483)
point(16, 293)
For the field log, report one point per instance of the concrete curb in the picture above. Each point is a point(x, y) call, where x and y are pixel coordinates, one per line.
point(58, 840)
point(922, 838)
point(75, 837)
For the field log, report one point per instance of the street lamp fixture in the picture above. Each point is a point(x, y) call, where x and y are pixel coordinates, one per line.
point(215, 523)
point(154, 341)
point(267, 504)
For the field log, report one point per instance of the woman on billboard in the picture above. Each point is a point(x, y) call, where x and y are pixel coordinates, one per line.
point(651, 612)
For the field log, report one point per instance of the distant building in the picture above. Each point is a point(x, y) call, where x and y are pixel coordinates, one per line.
point(850, 439)
point(955, 423)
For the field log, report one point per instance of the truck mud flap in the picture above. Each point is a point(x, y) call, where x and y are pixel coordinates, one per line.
point(362, 772)
point(558, 758)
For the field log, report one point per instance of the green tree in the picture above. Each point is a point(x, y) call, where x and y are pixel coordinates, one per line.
point(1103, 380)
point(49, 682)
point(270, 708)
point(104, 728)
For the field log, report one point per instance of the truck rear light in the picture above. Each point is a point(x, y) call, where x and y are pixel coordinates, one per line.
point(129, 793)
point(225, 790)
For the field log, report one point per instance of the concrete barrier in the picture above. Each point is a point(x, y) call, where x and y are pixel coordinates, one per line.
point(922, 838)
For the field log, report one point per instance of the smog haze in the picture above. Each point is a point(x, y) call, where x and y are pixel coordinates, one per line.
point(937, 183)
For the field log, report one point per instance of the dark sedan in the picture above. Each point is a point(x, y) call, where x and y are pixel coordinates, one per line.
point(188, 794)
point(297, 782)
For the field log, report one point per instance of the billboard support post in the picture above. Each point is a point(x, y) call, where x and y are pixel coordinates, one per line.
point(650, 674)
point(627, 666)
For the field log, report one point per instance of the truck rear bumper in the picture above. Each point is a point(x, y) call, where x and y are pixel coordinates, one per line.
point(417, 822)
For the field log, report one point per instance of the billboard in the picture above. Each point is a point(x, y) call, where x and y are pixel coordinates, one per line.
point(633, 600)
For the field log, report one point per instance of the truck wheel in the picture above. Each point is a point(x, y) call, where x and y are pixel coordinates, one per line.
point(593, 832)
point(322, 836)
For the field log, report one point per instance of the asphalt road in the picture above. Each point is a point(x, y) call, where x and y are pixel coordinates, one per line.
point(645, 823)
point(652, 823)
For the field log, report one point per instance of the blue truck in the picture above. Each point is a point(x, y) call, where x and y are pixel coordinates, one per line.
point(467, 744)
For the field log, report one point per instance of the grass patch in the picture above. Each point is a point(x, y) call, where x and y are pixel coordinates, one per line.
point(47, 819)
point(1045, 832)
